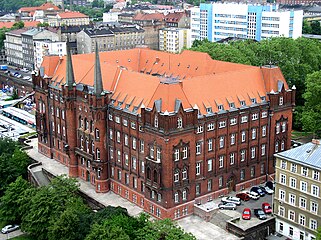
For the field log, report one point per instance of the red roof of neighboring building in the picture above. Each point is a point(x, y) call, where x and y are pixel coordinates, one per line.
point(45, 6)
point(65, 15)
point(142, 76)
point(174, 17)
point(148, 16)
point(28, 24)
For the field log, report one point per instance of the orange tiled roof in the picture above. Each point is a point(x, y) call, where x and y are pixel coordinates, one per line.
point(28, 24)
point(139, 77)
point(65, 15)
point(174, 17)
point(148, 16)
point(45, 6)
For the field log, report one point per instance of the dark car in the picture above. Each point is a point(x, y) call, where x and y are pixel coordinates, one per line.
point(243, 196)
point(258, 191)
point(230, 206)
point(270, 185)
point(266, 190)
point(258, 212)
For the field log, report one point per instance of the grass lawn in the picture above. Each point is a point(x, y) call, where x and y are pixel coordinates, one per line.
point(23, 237)
point(296, 135)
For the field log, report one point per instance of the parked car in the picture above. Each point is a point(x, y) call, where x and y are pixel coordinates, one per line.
point(266, 208)
point(24, 70)
point(266, 190)
point(246, 215)
point(235, 200)
point(228, 205)
point(243, 196)
point(26, 77)
point(259, 214)
point(257, 190)
point(18, 75)
point(270, 185)
point(253, 195)
point(9, 228)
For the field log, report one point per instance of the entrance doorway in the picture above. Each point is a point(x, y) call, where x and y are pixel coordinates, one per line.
point(231, 184)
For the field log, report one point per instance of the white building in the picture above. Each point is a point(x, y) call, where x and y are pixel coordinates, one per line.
point(173, 40)
point(222, 20)
point(195, 24)
point(45, 48)
point(110, 17)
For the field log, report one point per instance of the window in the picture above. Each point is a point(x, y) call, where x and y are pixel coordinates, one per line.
point(303, 186)
point(134, 163)
point(198, 189)
point(111, 133)
point(119, 175)
point(303, 203)
point(242, 175)
point(118, 136)
point(316, 175)
point(63, 114)
point(210, 144)
point(142, 169)
point(134, 143)
point(292, 198)
point(220, 181)
point(315, 190)
point(253, 100)
point(233, 121)
point(232, 138)
point(252, 152)
point(282, 145)
point(184, 152)
point(209, 165)
point(200, 129)
point(281, 211)
point(126, 159)
point(255, 116)
point(184, 194)
point(117, 119)
point(304, 171)
point(222, 124)
point(252, 171)
point(176, 197)
point(277, 128)
point(141, 146)
point(263, 131)
point(283, 164)
point(264, 114)
point(118, 156)
point(314, 207)
point(280, 226)
point(243, 136)
point(253, 133)
point(184, 174)
point(110, 117)
point(209, 185)
point(151, 152)
point(125, 122)
point(282, 195)
point(242, 103)
point(210, 127)
point(292, 182)
point(290, 231)
point(156, 122)
point(282, 178)
point(220, 107)
point(302, 220)
point(313, 224)
point(243, 119)
point(176, 176)
point(232, 105)
point(262, 168)
point(263, 149)
point(243, 155)
point(198, 168)
point(133, 125)
point(198, 148)
point(283, 126)
point(281, 101)
point(221, 142)
point(276, 146)
point(232, 158)
point(126, 139)
point(293, 167)
point(158, 154)
point(179, 122)
point(221, 161)
point(126, 178)
point(291, 215)
point(176, 155)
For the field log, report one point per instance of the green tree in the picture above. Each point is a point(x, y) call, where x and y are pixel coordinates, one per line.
point(43, 25)
point(14, 201)
point(106, 232)
point(315, 26)
point(306, 27)
point(319, 234)
point(311, 115)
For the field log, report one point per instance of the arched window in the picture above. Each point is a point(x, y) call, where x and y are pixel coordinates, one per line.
point(97, 154)
point(155, 176)
point(176, 197)
point(86, 124)
point(156, 122)
point(87, 145)
point(92, 147)
point(184, 194)
point(179, 122)
point(176, 175)
point(277, 146)
point(82, 142)
point(282, 145)
point(148, 172)
point(97, 133)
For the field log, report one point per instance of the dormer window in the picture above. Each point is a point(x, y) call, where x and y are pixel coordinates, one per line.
point(220, 107)
point(156, 122)
point(242, 103)
point(179, 122)
point(209, 110)
point(281, 101)
point(263, 99)
point(253, 100)
point(232, 105)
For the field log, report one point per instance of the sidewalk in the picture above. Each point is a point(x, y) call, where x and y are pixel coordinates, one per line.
point(198, 227)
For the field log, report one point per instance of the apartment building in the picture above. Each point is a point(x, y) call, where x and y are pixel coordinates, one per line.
point(68, 19)
point(162, 130)
point(13, 47)
point(110, 38)
point(297, 201)
point(173, 39)
point(222, 20)
point(195, 24)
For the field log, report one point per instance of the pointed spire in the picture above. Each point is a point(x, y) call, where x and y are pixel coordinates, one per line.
point(98, 81)
point(70, 78)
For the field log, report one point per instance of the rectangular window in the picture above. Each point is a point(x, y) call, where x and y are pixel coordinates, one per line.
point(210, 127)
point(209, 165)
point(118, 136)
point(253, 133)
point(220, 181)
point(158, 154)
point(134, 143)
point(200, 129)
point(210, 144)
point(198, 168)
point(233, 121)
point(283, 164)
point(222, 142)
point(222, 124)
point(303, 186)
point(243, 136)
point(198, 189)
point(293, 167)
point(232, 158)
point(316, 175)
point(303, 203)
point(133, 125)
point(141, 146)
point(198, 148)
point(253, 152)
point(291, 215)
point(282, 178)
point(176, 155)
point(292, 198)
point(221, 161)
point(314, 207)
point(242, 175)
point(302, 220)
point(264, 114)
point(184, 152)
point(315, 190)
point(243, 119)
point(282, 195)
point(209, 185)
point(304, 171)
point(255, 116)
point(313, 224)
point(263, 149)
point(134, 163)
point(232, 138)
point(292, 182)
point(243, 155)
point(281, 211)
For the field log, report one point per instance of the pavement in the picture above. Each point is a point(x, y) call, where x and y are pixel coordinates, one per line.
point(10, 235)
point(201, 229)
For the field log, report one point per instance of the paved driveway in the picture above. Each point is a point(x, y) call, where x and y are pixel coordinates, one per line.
point(10, 235)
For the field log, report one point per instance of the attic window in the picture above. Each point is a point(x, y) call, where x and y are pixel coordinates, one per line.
point(146, 61)
point(209, 110)
point(117, 61)
point(253, 100)
point(220, 107)
point(127, 105)
point(113, 101)
point(135, 109)
point(178, 64)
point(232, 105)
point(128, 60)
point(242, 103)
point(188, 66)
point(196, 68)
point(119, 104)
point(263, 99)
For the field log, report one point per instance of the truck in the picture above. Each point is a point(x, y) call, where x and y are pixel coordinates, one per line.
point(3, 67)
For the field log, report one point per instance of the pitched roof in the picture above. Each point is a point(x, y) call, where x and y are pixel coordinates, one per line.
point(27, 24)
point(65, 15)
point(148, 16)
point(45, 6)
point(17, 31)
point(143, 76)
point(174, 17)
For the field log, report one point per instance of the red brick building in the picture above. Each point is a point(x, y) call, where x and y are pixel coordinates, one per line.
point(164, 131)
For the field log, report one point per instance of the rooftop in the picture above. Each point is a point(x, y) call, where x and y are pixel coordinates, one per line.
point(65, 15)
point(45, 6)
point(26, 23)
point(140, 77)
point(308, 154)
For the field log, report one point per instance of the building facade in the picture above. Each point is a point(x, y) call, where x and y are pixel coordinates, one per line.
point(13, 47)
point(173, 39)
point(162, 130)
point(110, 38)
point(68, 19)
point(222, 20)
point(297, 191)
point(195, 24)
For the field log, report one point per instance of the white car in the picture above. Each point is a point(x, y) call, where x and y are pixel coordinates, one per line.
point(268, 190)
point(9, 228)
point(235, 200)
point(253, 195)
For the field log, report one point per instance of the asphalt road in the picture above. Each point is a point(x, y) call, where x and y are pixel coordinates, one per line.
point(10, 235)
point(252, 204)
